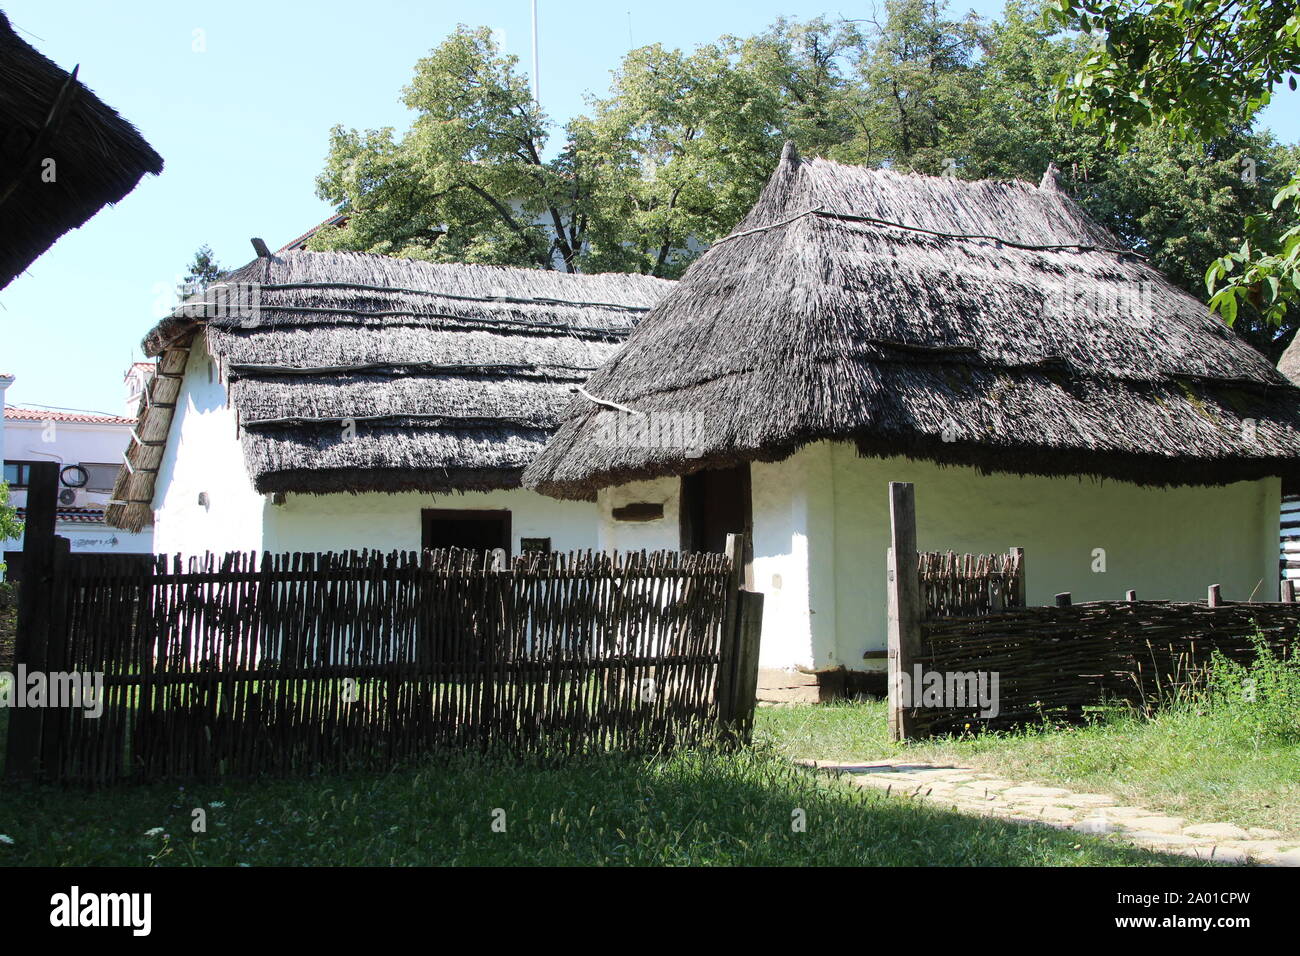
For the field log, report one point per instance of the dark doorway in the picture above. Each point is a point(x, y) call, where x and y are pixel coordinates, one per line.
point(716, 503)
point(477, 530)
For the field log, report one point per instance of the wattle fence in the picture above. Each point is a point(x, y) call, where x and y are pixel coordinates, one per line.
point(962, 619)
point(245, 664)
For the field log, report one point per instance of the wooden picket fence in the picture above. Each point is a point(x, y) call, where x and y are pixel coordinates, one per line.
point(245, 664)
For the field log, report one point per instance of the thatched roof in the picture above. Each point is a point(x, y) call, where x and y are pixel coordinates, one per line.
point(989, 324)
point(45, 113)
point(361, 372)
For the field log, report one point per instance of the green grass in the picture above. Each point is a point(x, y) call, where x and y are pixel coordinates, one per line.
point(1191, 761)
point(1209, 759)
point(691, 808)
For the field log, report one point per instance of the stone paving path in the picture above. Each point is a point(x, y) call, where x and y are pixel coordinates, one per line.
point(986, 794)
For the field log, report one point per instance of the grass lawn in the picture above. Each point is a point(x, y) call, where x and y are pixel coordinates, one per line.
point(1189, 762)
point(685, 809)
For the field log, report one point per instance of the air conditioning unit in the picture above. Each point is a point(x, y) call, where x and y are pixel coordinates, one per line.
point(68, 497)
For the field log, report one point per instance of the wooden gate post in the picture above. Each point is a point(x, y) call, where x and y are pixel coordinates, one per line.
point(23, 746)
point(904, 587)
point(730, 625)
point(742, 628)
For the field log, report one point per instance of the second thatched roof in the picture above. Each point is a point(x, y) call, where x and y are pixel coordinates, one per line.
point(352, 372)
point(46, 114)
point(989, 324)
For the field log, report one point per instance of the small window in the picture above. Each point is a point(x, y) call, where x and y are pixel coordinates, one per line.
point(476, 530)
point(102, 475)
point(18, 473)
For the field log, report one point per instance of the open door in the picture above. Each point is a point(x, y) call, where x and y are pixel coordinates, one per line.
point(714, 504)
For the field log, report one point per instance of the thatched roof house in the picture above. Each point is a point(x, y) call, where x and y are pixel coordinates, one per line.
point(982, 323)
point(45, 113)
point(985, 340)
point(356, 373)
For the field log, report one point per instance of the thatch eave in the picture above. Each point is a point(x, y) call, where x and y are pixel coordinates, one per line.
point(99, 157)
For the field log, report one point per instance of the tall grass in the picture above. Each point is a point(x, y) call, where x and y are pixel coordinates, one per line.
point(1259, 701)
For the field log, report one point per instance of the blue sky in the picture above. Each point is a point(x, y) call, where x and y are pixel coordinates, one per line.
point(243, 126)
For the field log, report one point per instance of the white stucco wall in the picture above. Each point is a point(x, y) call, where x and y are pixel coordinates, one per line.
point(1166, 543)
point(821, 528)
point(203, 454)
point(392, 521)
point(661, 534)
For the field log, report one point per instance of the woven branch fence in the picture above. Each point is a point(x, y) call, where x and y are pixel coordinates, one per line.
point(1051, 661)
point(970, 584)
point(245, 665)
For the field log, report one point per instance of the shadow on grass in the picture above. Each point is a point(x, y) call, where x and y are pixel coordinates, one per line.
point(687, 808)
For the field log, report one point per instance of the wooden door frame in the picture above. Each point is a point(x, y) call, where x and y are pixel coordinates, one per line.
point(685, 522)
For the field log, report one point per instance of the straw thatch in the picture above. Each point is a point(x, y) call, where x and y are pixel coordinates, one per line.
point(989, 324)
point(98, 156)
point(356, 372)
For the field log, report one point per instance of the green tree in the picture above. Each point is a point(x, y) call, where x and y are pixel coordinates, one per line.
point(675, 156)
point(917, 83)
point(1197, 70)
point(202, 271)
point(10, 525)
point(468, 181)
point(1177, 202)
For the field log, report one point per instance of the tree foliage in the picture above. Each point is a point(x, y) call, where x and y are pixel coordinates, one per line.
point(1199, 70)
point(677, 149)
point(202, 271)
point(10, 524)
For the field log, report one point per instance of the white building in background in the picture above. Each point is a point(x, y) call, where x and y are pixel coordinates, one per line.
point(88, 449)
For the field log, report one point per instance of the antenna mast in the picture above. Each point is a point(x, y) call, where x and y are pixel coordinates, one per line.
point(537, 78)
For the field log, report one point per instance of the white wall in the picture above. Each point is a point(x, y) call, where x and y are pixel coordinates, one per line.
point(387, 522)
point(72, 443)
point(1167, 543)
point(658, 535)
point(203, 454)
point(821, 528)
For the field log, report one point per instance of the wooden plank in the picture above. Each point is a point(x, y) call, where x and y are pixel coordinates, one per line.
point(904, 632)
point(745, 687)
point(730, 629)
point(1022, 592)
point(23, 747)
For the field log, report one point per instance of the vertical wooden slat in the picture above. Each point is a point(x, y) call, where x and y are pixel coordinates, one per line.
point(23, 747)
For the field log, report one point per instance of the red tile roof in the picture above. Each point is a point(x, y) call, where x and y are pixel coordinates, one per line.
point(46, 415)
point(77, 515)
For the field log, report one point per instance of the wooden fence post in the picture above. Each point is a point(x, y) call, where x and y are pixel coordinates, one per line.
point(56, 720)
point(904, 589)
point(23, 746)
point(1214, 598)
point(1063, 599)
point(1287, 591)
point(1018, 555)
point(730, 626)
point(1130, 595)
point(745, 673)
